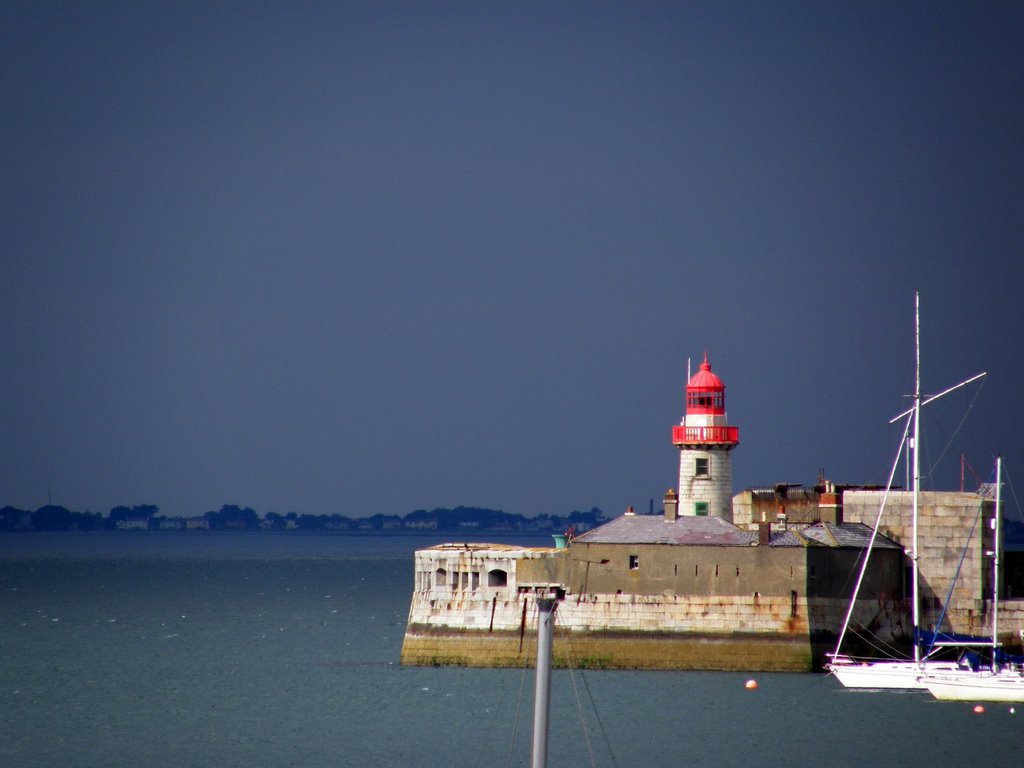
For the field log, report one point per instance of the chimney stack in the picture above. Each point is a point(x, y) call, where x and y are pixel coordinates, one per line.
point(671, 506)
point(830, 505)
point(764, 534)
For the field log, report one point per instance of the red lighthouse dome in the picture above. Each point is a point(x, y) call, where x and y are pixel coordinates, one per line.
point(705, 392)
point(705, 421)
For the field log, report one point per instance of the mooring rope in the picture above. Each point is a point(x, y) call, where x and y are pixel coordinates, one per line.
point(519, 705)
point(579, 704)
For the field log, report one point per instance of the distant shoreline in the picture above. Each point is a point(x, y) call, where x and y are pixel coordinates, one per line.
point(199, 533)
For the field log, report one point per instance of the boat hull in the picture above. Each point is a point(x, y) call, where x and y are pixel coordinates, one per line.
point(977, 686)
point(903, 675)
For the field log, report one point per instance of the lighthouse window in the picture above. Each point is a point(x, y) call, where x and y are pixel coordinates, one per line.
point(706, 400)
point(700, 508)
point(701, 469)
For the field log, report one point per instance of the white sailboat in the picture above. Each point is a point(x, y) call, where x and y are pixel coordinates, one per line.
point(1004, 685)
point(997, 683)
point(894, 673)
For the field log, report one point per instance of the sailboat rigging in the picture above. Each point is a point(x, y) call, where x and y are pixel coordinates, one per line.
point(1001, 681)
point(897, 673)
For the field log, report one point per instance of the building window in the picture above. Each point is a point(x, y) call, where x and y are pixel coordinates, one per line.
point(497, 578)
point(440, 577)
point(701, 468)
point(700, 508)
point(634, 562)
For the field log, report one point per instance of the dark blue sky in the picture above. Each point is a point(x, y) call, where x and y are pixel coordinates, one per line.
point(369, 257)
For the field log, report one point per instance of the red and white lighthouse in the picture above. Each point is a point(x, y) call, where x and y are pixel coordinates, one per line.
point(705, 441)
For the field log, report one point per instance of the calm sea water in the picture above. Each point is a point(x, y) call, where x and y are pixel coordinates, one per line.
point(261, 650)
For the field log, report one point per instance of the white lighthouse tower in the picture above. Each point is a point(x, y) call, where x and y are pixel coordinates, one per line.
point(705, 440)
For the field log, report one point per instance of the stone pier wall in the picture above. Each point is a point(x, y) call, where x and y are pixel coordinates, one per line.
point(473, 604)
point(490, 626)
point(976, 619)
point(946, 522)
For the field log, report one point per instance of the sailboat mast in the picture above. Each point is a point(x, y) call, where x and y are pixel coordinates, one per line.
point(917, 471)
point(995, 557)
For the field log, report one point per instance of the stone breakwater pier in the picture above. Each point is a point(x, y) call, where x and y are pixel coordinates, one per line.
point(473, 605)
point(671, 592)
point(492, 627)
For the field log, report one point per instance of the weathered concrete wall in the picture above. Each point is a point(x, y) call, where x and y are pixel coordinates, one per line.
point(457, 568)
point(742, 571)
point(658, 569)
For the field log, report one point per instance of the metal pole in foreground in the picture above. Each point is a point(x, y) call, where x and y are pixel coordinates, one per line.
point(542, 692)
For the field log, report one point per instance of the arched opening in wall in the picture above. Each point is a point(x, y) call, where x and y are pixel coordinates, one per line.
point(497, 578)
point(440, 577)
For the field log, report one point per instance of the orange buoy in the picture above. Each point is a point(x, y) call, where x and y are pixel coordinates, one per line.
point(978, 709)
point(751, 685)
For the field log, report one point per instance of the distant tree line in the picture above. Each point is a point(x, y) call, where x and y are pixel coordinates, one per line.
point(52, 517)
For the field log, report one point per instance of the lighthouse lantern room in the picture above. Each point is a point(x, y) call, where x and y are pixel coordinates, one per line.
point(705, 440)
